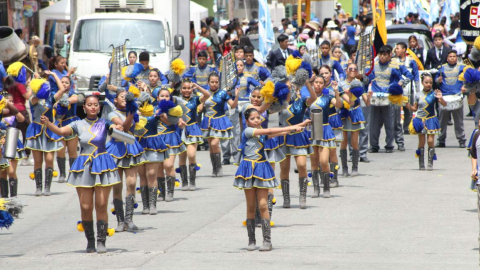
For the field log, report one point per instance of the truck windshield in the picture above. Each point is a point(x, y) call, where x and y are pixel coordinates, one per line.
point(96, 35)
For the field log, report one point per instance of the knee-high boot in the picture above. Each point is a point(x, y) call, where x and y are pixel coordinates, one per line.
point(303, 182)
point(48, 181)
point(267, 235)
point(325, 176)
point(343, 158)
point(334, 170)
point(102, 227)
point(152, 193)
point(4, 187)
point(144, 191)
point(118, 205)
point(170, 182)
point(129, 206)
point(13, 183)
point(286, 193)
point(431, 155)
point(355, 157)
point(270, 204)
point(316, 184)
point(161, 187)
point(192, 171)
point(184, 176)
point(61, 167)
point(90, 235)
point(218, 161)
point(421, 159)
point(251, 234)
point(214, 168)
point(38, 181)
point(258, 218)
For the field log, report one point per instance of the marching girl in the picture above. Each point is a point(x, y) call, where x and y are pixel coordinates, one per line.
point(215, 125)
point(338, 55)
point(321, 148)
point(41, 140)
point(10, 115)
point(352, 118)
point(69, 142)
point(94, 172)
point(191, 135)
point(58, 65)
point(334, 119)
point(156, 151)
point(154, 84)
point(127, 158)
point(426, 121)
point(295, 144)
point(255, 176)
point(169, 116)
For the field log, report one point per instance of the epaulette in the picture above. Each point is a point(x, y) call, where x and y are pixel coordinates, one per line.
point(258, 64)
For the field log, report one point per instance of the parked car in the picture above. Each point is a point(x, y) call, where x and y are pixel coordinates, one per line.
point(401, 33)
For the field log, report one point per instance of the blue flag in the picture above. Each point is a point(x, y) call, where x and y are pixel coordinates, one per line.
point(266, 38)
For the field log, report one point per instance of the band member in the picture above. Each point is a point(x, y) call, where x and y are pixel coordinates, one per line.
point(199, 73)
point(425, 121)
point(94, 172)
point(254, 69)
point(450, 85)
point(325, 59)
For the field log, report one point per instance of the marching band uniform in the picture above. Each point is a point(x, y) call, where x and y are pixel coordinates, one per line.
point(191, 134)
point(412, 67)
point(125, 156)
point(215, 124)
point(451, 86)
point(381, 77)
point(398, 129)
point(334, 65)
point(43, 139)
point(294, 144)
point(199, 75)
point(324, 102)
point(426, 115)
point(109, 103)
point(257, 71)
point(254, 171)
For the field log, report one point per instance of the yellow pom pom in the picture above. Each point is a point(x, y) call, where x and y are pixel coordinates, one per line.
point(309, 183)
point(411, 129)
point(170, 90)
point(274, 200)
point(244, 223)
point(272, 223)
point(112, 210)
point(336, 167)
point(141, 123)
point(462, 76)
point(134, 90)
point(138, 191)
point(199, 165)
point(14, 68)
point(267, 92)
point(279, 186)
point(177, 66)
point(176, 111)
point(292, 64)
point(110, 231)
point(346, 105)
point(177, 184)
point(477, 43)
point(146, 109)
point(36, 84)
point(159, 192)
point(397, 99)
point(80, 226)
point(55, 173)
point(124, 74)
point(32, 176)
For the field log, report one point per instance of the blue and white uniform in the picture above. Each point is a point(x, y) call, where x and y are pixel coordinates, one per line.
point(215, 124)
point(191, 133)
point(324, 102)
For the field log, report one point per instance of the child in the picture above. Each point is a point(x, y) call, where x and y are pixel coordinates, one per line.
point(426, 122)
point(255, 175)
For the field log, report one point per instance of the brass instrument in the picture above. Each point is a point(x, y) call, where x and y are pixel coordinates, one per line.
point(364, 56)
point(228, 71)
point(119, 60)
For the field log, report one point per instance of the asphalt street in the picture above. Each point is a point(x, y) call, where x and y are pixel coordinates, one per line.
point(391, 216)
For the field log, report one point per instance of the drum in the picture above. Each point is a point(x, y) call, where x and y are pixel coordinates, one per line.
point(380, 99)
point(454, 102)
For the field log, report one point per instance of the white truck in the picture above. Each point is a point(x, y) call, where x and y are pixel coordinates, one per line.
point(97, 24)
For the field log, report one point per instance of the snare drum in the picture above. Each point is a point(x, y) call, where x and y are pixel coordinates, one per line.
point(380, 99)
point(454, 102)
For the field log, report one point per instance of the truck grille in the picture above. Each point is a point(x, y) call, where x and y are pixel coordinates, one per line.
point(94, 80)
point(109, 3)
point(136, 3)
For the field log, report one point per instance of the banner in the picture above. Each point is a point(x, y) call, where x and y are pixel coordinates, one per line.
point(469, 20)
point(380, 26)
point(266, 38)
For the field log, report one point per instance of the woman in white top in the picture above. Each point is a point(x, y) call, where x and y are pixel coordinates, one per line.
point(332, 33)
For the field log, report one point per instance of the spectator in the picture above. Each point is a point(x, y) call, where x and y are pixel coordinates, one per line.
point(245, 42)
point(245, 25)
point(437, 55)
point(252, 28)
point(339, 9)
point(415, 47)
point(213, 38)
point(295, 23)
point(331, 32)
point(365, 8)
point(21, 35)
point(223, 29)
point(202, 43)
point(351, 32)
point(278, 57)
point(65, 49)
point(311, 41)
